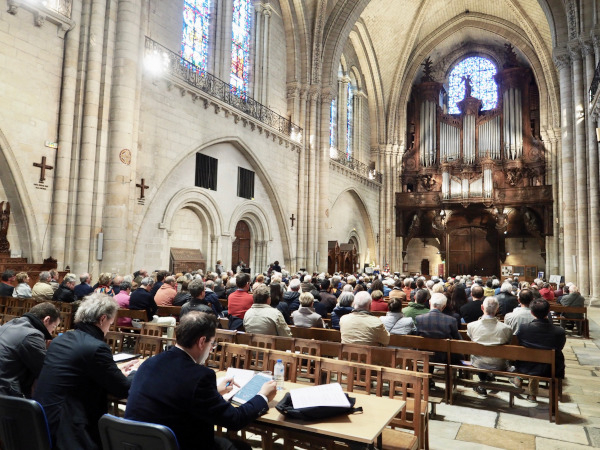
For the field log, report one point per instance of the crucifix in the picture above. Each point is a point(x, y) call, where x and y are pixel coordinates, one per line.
point(142, 187)
point(523, 242)
point(43, 167)
point(292, 219)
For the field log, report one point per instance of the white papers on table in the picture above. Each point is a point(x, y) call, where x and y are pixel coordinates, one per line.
point(122, 357)
point(240, 377)
point(323, 395)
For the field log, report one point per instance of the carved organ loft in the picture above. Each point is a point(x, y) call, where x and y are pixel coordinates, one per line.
point(473, 180)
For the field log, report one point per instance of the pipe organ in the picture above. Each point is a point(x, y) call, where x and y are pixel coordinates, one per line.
point(470, 171)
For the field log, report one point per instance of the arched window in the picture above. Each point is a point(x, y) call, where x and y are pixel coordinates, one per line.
point(240, 46)
point(332, 124)
point(481, 72)
point(349, 127)
point(196, 20)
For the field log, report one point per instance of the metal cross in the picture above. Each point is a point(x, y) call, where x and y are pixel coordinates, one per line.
point(292, 219)
point(43, 167)
point(142, 187)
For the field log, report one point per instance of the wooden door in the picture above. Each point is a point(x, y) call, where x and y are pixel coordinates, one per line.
point(425, 267)
point(472, 250)
point(241, 246)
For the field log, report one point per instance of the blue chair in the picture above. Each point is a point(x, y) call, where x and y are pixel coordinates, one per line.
point(23, 424)
point(123, 434)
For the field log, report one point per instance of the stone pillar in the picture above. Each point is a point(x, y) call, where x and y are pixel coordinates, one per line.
point(580, 105)
point(342, 110)
point(118, 229)
point(312, 175)
point(568, 224)
point(552, 243)
point(224, 40)
point(61, 211)
point(324, 214)
point(214, 248)
point(593, 179)
point(84, 237)
point(357, 132)
point(302, 186)
point(262, 15)
point(265, 54)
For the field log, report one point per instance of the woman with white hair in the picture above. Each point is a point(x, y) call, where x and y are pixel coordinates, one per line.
point(78, 374)
point(306, 316)
point(343, 307)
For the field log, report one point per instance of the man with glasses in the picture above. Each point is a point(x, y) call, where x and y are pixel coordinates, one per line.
point(175, 389)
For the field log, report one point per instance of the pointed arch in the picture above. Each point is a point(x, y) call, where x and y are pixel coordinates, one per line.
point(362, 212)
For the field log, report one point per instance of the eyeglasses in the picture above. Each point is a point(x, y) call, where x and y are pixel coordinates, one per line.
point(213, 345)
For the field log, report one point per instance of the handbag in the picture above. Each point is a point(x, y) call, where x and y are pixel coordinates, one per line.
point(286, 408)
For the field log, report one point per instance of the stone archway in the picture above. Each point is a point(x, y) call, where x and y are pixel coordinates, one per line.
point(240, 249)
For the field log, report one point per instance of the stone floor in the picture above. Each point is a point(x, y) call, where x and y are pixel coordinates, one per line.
point(489, 423)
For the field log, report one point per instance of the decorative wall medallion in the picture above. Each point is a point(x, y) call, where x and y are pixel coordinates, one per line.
point(125, 156)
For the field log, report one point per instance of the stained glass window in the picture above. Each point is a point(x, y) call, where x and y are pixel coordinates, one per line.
point(240, 46)
point(196, 20)
point(349, 124)
point(332, 123)
point(481, 72)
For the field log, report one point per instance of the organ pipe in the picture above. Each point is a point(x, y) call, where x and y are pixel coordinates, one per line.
point(469, 139)
point(513, 124)
point(427, 133)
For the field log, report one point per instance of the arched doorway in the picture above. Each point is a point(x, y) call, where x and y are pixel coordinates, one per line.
point(472, 250)
point(241, 246)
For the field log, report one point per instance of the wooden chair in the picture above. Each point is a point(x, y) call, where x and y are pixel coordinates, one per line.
point(166, 311)
point(307, 350)
point(114, 339)
point(244, 338)
point(359, 354)
point(336, 371)
point(283, 343)
point(151, 329)
point(148, 346)
point(263, 340)
point(234, 355)
point(139, 314)
point(258, 357)
point(289, 360)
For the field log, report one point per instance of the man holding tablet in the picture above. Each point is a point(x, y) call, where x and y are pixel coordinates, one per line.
point(175, 389)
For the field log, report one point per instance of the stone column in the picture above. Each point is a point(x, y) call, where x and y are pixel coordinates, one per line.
point(324, 214)
point(562, 61)
point(82, 245)
point(342, 118)
point(265, 54)
point(61, 211)
point(257, 50)
point(302, 186)
point(224, 39)
point(117, 227)
point(312, 176)
point(552, 243)
point(593, 179)
point(214, 248)
point(357, 132)
point(581, 167)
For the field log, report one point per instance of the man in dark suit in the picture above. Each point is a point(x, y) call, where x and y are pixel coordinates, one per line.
point(506, 300)
point(6, 286)
point(141, 298)
point(175, 389)
point(540, 333)
point(472, 311)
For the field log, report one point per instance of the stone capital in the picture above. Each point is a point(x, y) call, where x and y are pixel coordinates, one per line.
point(587, 47)
point(575, 50)
point(561, 58)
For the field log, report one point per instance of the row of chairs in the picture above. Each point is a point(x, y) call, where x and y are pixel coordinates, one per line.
point(409, 386)
point(11, 307)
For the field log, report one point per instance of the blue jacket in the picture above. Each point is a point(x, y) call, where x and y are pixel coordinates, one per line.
point(337, 314)
point(171, 389)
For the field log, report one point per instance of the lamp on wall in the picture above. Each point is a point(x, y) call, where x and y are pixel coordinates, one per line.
point(598, 135)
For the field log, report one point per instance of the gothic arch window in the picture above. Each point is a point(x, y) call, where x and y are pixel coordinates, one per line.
point(332, 123)
point(241, 30)
point(481, 71)
point(349, 120)
point(195, 40)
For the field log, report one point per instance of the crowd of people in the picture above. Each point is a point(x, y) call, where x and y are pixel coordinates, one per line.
point(72, 377)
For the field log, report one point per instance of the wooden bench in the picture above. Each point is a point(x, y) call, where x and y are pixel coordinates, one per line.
point(321, 334)
point(583, 323)
point(169, 311)
point(139, 314)
point(511, 353)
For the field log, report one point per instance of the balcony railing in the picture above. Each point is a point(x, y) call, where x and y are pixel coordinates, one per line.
point(163, 59)
point(360, 167)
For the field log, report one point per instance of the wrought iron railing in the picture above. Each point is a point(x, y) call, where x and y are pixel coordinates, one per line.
point(360, 167)
point(161, 58)
point(60, 6)
point(595, 83)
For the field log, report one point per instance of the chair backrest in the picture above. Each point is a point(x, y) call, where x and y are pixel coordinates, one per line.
point(123, 434)
point(114, 339)
point(148, 346)
point(151, 329)
point(23, 424)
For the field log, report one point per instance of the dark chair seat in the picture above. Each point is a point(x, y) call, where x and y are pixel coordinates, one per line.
point(23, 424)
point(124, 434)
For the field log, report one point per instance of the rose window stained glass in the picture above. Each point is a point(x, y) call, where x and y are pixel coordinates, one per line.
point(481, 71)
point(196, 20)
point(332, 123)
point(240, 46)
point(349, 124)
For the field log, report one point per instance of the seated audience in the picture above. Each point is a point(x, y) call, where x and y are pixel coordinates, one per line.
point(360, 327)
point(378, 303)
point(22, 290)
point(547, 292)
point(183, 296)
point(506, 300)
point(240, 301)
point(262, 318)
point(197, 303)
point(397, 290)
point(141, 298)
point(540, 333)
point(306, 316)
point(522, 314)
point(175, 389)
point(394, 321)
point(78, 374)
point(122, 298)
point(277, 290)
point(574, 299)
point(23, 348)
point(488, 330)
point(42, 289)
point(104, 285)
point(418, 306)
point(211, 298)
point(471, 311)
point(166, 293)
point(7, 285)
point(328, 300)
point(65, 293)
point(83, 288)
point(292, 297)
point(343, 307)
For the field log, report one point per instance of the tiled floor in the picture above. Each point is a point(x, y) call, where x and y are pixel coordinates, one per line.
point(489, 423)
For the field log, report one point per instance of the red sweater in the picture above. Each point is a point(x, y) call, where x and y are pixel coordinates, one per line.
point(238, 303)
point(379, 305)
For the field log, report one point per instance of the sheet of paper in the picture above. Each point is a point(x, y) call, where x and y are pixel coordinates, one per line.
point(121, 357)
point(240, 376)
point(323, 395)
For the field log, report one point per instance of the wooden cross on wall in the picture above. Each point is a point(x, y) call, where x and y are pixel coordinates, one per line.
point(523, 242)
point(292, 219)
point(142, 187)
point(43, 168)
